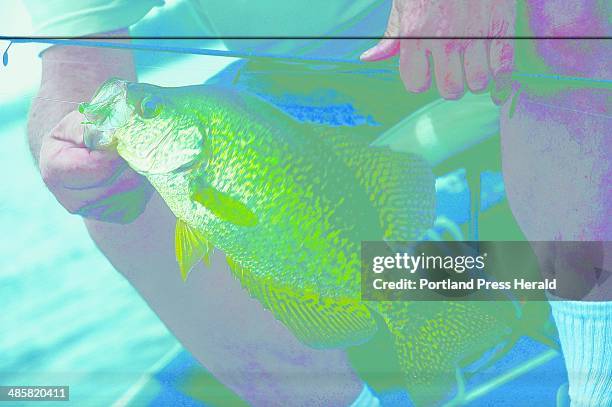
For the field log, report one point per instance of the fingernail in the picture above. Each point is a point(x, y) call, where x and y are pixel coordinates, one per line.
point(366, 54)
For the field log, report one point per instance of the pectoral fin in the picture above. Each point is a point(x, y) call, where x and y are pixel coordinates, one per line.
point(223, 206)
point(190, 246)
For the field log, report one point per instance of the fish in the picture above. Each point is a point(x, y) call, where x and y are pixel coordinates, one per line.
point(289, 204)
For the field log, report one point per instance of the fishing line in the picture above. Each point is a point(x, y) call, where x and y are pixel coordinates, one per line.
point(604, 116)
point(588, 82)
point(5, 54)
point(600, 115)
point(313, 37)
point(55, 100)
point(30, 96)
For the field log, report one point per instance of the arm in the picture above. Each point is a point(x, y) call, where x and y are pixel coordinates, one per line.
point(230, 333)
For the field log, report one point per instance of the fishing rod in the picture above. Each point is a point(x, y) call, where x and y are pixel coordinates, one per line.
point(176, 50)
point(571, 81)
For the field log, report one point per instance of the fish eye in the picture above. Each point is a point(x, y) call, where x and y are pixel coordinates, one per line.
point(149, 107)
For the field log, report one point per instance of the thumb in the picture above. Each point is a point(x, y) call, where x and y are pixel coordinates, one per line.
point(387, 47)
point(66, 162)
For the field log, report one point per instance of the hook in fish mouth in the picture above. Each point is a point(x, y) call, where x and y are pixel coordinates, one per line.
point(107, 111)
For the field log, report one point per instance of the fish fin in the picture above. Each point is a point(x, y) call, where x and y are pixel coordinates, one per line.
point(460, 394)
point(498, 355)
point(316, 321)
point(431, 339)
point(534, 322)
point(375, 361)
point(400, 185)
point(223, 205)
point(190, 247)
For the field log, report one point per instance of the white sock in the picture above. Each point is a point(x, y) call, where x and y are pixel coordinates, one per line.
point(366, 398)
point(585, 331)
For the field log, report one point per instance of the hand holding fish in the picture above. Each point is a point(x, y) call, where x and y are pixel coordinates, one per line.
point(94, 184)
point(456, 60)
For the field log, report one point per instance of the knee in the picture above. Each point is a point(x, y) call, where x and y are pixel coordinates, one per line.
point(557, 169)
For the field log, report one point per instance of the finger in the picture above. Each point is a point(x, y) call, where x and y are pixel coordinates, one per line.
point(65, 162)
point(70, 129)
point(448, 69)
point(75, 167)
point(93, 184)
point(387, 47)
point(414, 65)
point(501, 56)
point(476, 65)
point(501, 51)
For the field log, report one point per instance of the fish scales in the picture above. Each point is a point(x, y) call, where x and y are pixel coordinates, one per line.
point(306, 207)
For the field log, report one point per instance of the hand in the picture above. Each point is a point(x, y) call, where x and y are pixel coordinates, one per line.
point(94, 184)
point(473, 61)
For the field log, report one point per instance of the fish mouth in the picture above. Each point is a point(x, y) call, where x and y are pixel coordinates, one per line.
point(107, 111)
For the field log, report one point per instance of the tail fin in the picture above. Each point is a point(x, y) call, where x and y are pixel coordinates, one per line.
point(433, 338)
